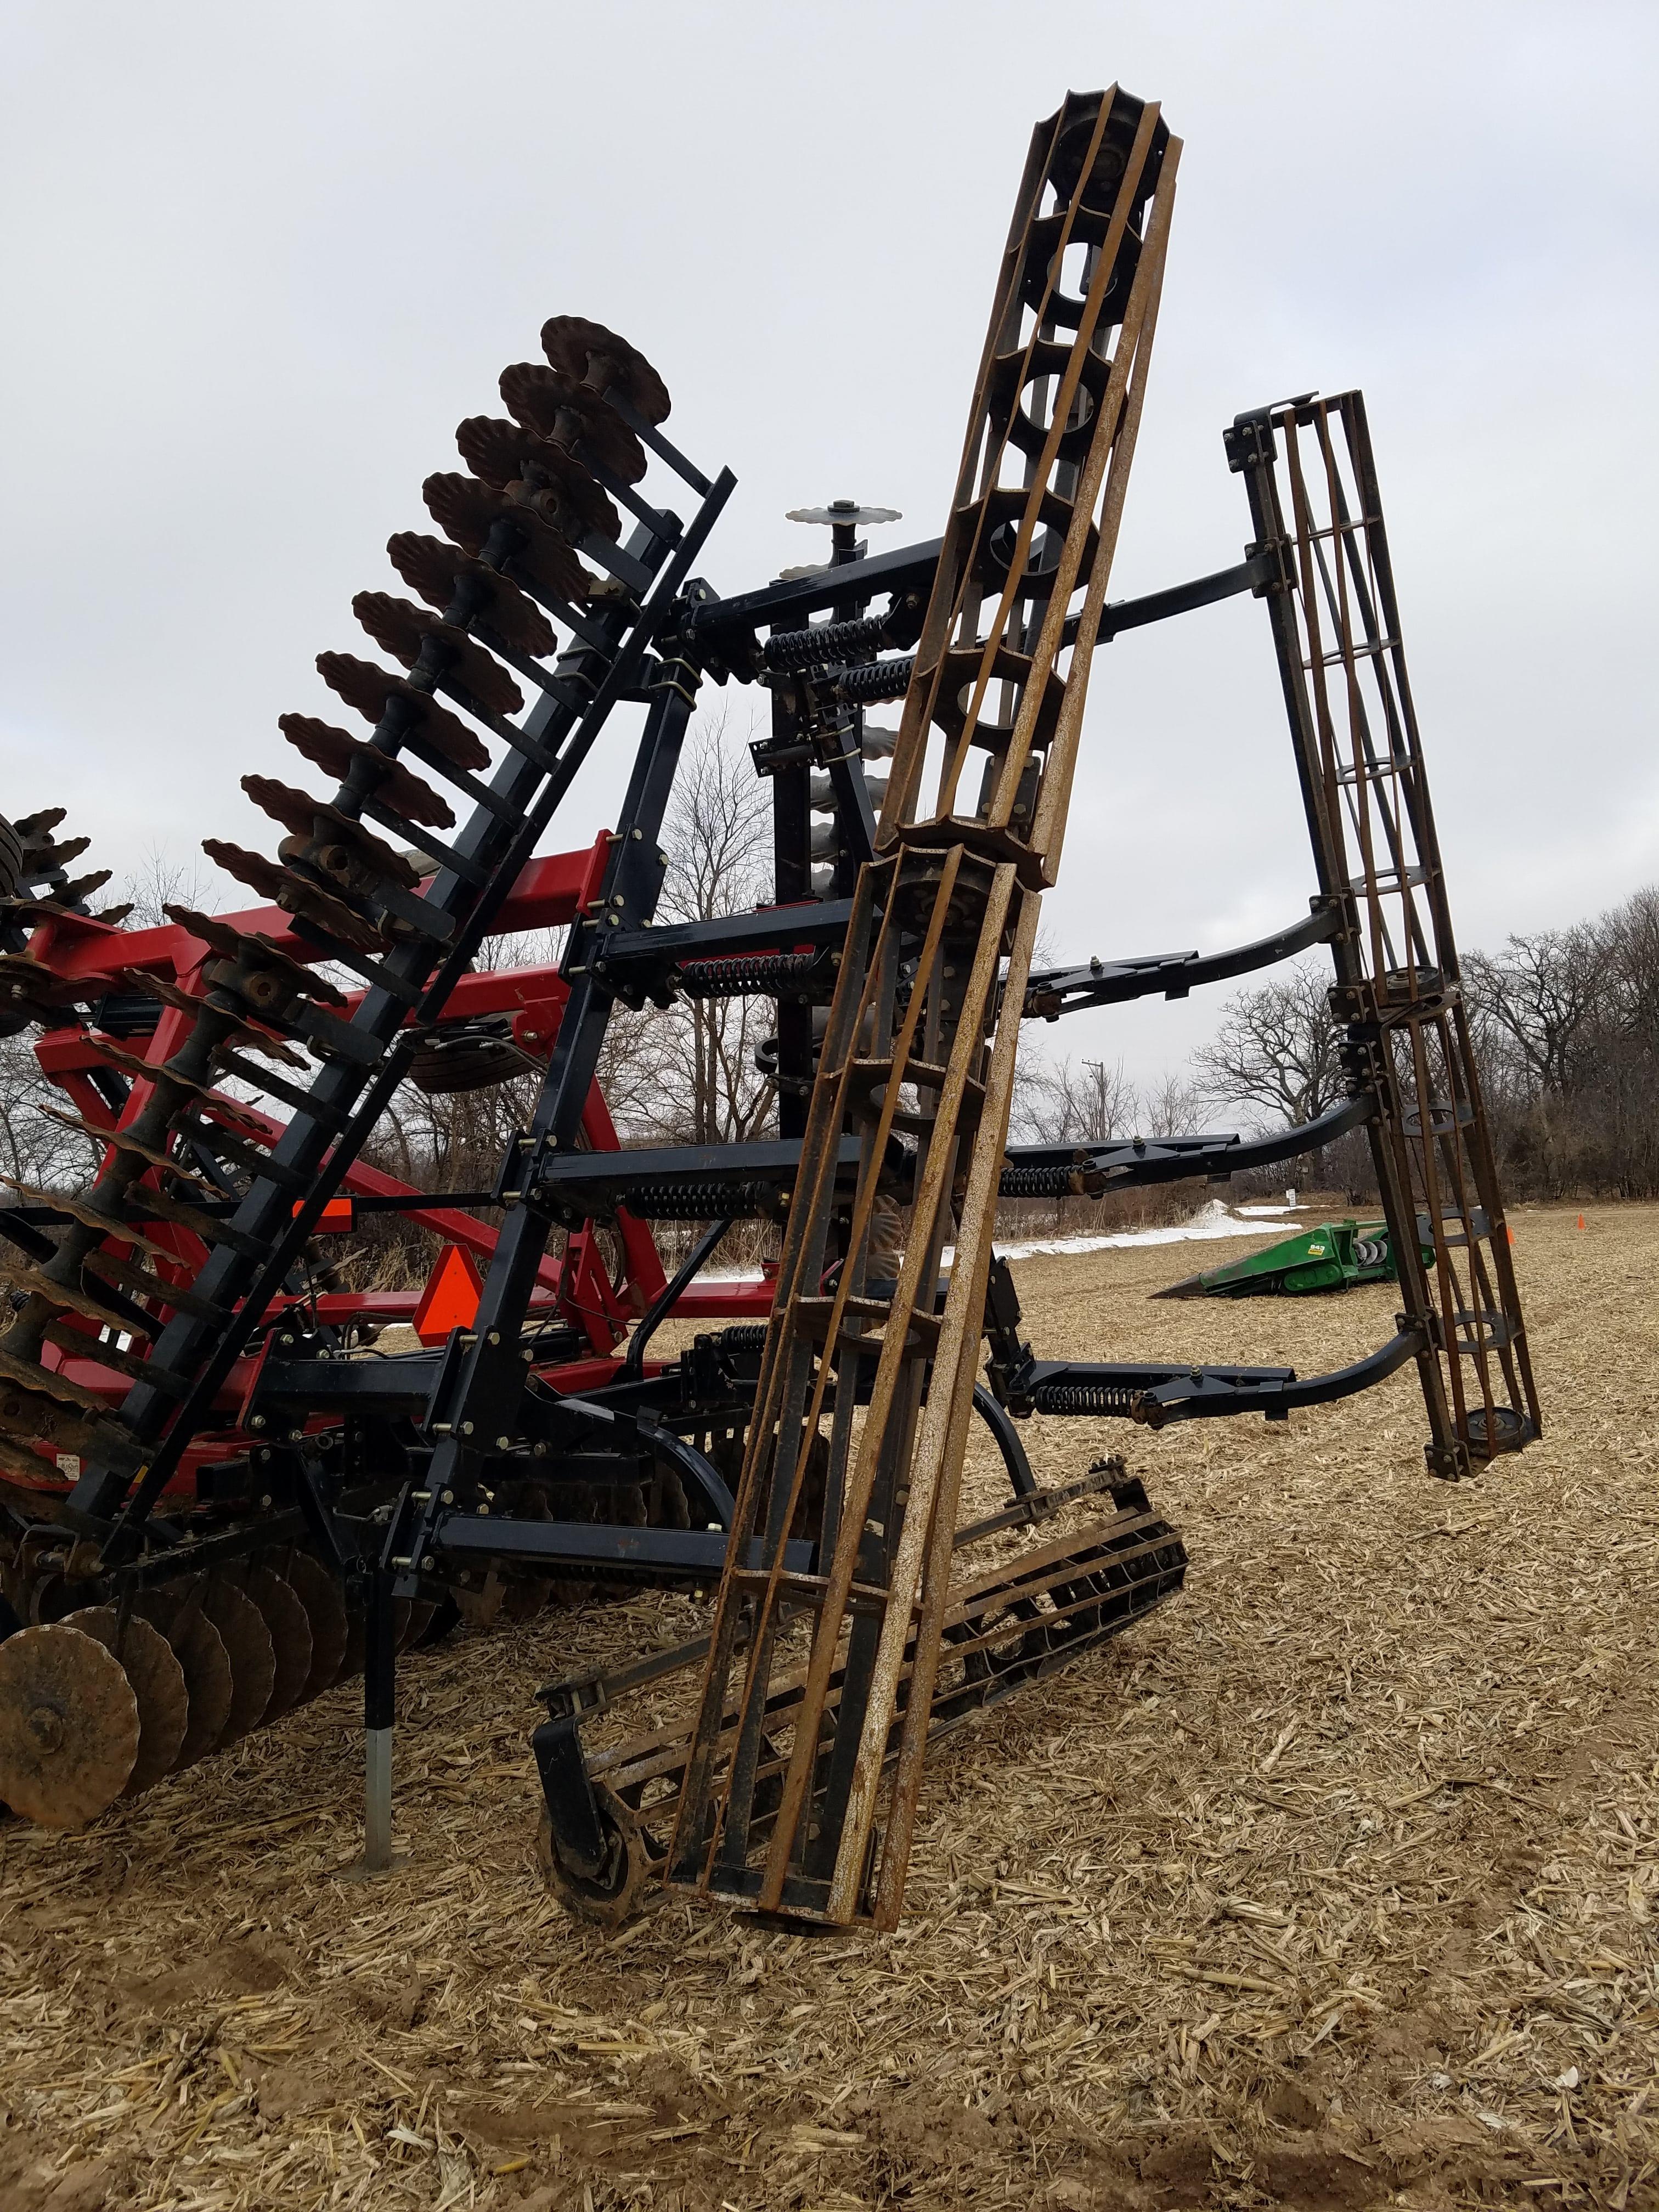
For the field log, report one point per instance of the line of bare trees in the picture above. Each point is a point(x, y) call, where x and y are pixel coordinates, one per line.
point(1565, 1023)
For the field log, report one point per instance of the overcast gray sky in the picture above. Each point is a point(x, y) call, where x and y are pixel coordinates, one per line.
point(260, 262)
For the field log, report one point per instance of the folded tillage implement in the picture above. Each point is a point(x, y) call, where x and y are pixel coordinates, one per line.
point(218, 1499)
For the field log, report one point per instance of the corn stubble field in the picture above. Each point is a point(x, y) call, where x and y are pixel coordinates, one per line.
point(1333, 1884)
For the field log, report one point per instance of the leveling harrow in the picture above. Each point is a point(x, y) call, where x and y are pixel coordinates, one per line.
point(219, 1498)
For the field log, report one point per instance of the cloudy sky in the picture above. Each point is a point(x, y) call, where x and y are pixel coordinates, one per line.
point(260, 262)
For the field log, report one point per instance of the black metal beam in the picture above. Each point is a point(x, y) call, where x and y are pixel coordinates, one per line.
point(1156, 1394)
point(1052, 992)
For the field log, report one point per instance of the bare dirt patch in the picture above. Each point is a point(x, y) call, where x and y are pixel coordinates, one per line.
point(1333, 1884)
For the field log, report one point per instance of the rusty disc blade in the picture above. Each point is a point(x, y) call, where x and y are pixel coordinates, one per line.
point(157, 1681)
point(417, 1620)
point(319, 1593)
point(285, 1616)
point(356, 1643)
point(69, 1726)
point(578, 348)
point(478, 1603)
point(525, 1595)
point(251, 1655)
point(197, 1646)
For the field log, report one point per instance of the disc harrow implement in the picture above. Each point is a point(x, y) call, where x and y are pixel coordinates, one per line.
point(225, 1487)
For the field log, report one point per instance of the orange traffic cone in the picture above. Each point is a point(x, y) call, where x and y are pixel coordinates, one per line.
point(1581, 1221)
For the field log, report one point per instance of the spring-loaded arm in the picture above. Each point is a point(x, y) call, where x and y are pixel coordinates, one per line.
point(1156, 1395)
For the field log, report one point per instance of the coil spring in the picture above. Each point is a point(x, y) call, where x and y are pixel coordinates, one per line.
point(686, 1199)
point(1041, 1182)
point(741, 1336)
point(737, 975)
point(1082, 1398)
point(879, 679)
point(826, 647)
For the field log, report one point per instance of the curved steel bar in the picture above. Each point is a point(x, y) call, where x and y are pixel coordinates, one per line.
point(1052, 992)
point(1139, 1160)
point(996, 1417)
point(1186, 1399)
point(701, 1252)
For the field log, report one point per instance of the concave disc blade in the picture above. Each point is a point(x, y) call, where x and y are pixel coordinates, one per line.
point(251, 1654)
point(478, 1603)
point(320, 1593)
point(524, 1595)
point(289, 1625)
point(197, 1646)
point(69, 1726)
point(417, 1621)
point(157, 1681)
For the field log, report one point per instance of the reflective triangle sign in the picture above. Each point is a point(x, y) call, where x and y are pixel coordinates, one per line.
point(450, 1299)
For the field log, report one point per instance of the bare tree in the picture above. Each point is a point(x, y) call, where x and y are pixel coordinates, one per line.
point(1540, 999)
point(1064, 1102)
point(159, 881)
point(1275, 1050)
point(33, 1148)
point(694, 1080)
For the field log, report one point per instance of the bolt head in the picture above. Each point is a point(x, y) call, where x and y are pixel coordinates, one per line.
point(46, 1726)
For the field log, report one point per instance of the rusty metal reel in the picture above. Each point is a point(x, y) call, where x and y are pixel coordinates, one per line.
point(69, 1726)
point(157, 1681)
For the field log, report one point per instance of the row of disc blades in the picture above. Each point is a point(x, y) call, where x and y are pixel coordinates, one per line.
point(94, 1707)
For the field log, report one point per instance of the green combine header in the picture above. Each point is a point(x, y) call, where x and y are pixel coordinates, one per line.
point(1334, 1257)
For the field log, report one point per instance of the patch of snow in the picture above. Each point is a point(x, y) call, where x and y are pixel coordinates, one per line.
point(1215, 1219)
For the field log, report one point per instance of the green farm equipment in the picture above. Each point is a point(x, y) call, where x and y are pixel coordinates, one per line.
point(1334, 1257)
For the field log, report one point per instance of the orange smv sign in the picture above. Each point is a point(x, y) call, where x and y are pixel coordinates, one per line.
point(450, 1299)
